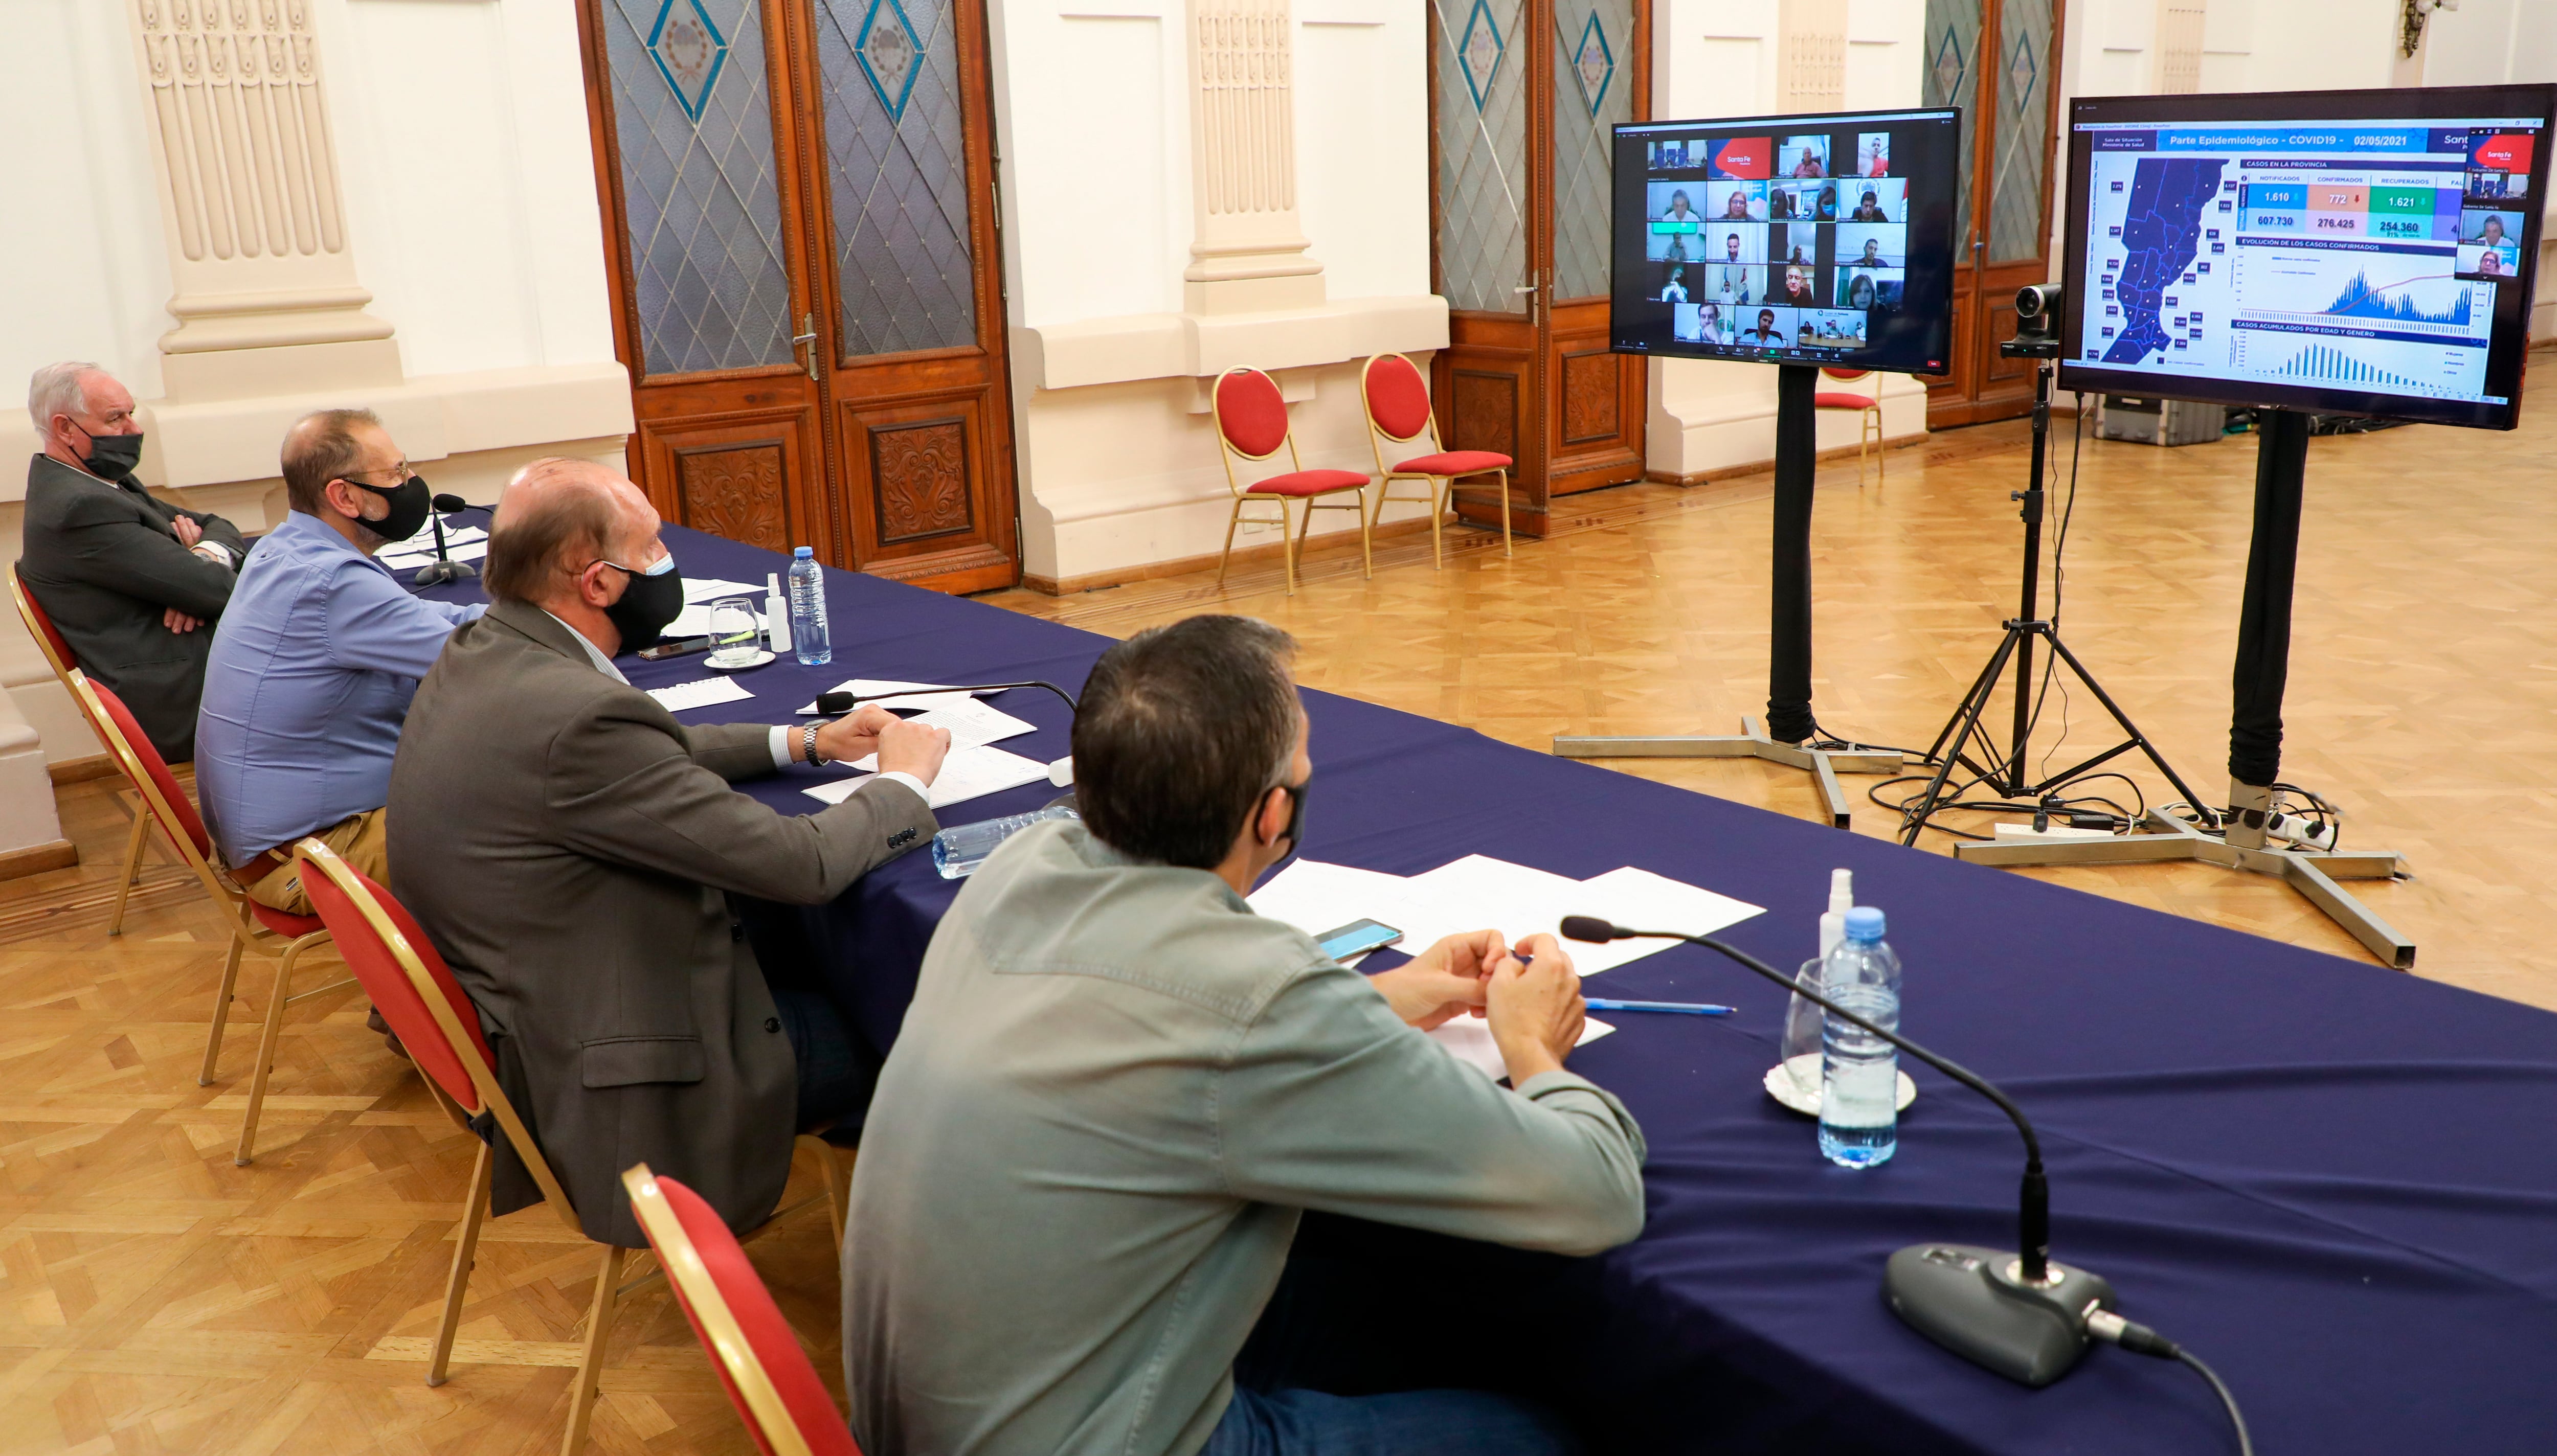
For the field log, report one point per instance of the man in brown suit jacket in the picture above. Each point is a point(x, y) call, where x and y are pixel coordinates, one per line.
point(572, 850)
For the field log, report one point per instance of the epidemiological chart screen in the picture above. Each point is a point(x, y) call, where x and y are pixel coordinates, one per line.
point(2312, 254)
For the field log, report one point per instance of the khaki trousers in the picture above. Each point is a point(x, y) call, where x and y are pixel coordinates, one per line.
point(361, 841)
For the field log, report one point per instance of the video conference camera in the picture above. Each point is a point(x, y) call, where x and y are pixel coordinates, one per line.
point(2037, 322)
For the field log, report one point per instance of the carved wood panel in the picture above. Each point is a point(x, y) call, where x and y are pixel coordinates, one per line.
point(919, 480)
point(1485, 413)
point(735, 489)
point(1589, 386)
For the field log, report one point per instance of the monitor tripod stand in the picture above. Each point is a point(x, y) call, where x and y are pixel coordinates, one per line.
point(1790, 735)
point(2264, 647)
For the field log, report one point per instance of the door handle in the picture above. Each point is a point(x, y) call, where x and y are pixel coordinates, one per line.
point(1530, 288)
point(808, 339)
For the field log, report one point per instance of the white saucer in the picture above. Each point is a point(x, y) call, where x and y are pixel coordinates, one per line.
point(757, 660)
point(1781, 1086)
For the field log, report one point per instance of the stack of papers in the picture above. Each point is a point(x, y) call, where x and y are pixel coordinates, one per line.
point(971, 725)
point(407, 557)
point(695, 620)
point(699, 692)
point(968, 773)
point(1479, 892)
point(925, 696)
point(706, 588)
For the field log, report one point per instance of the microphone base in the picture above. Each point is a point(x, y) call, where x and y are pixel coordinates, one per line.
point(1970, 1301)
point(436, 573)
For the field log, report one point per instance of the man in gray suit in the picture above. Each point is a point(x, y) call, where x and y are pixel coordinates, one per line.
point(572, 850)
point(133, 581)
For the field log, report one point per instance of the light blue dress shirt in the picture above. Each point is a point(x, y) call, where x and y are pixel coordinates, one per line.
point(312, 670)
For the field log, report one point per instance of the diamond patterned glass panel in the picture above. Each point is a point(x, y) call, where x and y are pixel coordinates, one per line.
point(1952, 78)
point(1591, 94)
point(2023, 131)
point(700, 197)
point(898, 170)
point(1482, 154)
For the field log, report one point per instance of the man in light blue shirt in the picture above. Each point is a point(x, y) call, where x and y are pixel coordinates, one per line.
point(315, 662)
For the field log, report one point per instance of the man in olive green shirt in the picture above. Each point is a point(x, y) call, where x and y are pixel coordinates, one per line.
point(1118, 1088)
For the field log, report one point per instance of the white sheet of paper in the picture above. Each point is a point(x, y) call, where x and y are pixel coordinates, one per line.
point(1316, 896)
point(706, 588)
point(695, 621)
point(924, 696)
point(699, 692)
point(411, 560)
point(971, 725)
point(1647, 902)
point(968, 773)
point(1469, 1040)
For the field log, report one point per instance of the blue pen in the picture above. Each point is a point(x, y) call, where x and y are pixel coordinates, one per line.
point(1684, 1008)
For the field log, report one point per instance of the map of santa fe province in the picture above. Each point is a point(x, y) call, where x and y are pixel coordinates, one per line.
point(2161, 234)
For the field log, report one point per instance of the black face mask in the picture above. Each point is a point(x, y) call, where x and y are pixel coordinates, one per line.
point(1294, 834)
point(114, 457)
point(409, 502)
point(647, 604)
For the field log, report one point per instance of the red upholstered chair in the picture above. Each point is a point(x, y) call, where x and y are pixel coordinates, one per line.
point(65, 665)
point(768, 1376)
point(1398, 408)
point(1868, 429)
point(253, 926)
point(438, 1026)
point(1252, 422)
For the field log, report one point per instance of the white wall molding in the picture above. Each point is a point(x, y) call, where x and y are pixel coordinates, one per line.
point(1248, 253)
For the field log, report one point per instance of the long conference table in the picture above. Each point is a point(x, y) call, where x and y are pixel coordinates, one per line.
point(2337, 1183)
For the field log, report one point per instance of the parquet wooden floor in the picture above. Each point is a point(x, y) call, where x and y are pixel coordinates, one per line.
point(154, 1298)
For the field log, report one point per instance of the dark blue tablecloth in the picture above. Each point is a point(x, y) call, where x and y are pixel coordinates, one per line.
point(2338, 1183)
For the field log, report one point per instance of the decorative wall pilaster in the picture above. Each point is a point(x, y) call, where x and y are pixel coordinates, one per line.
point(1248, 249)
point(1814, 55)
point(266, 286)
point(2179, 46)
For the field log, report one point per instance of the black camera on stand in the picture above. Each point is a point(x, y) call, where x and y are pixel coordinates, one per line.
point(2037, 322)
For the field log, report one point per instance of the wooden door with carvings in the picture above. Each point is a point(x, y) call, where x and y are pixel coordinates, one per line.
point(1524, 94)
point(800, 227)
point(1996, 60)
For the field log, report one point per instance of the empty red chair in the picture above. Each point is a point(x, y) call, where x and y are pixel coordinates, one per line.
point(1868, 428)
point(253, 926)
point(1252, 422)
point(1398, 408)
point(766, 1375)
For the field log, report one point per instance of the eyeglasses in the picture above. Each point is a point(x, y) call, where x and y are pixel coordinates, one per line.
point(400, 474)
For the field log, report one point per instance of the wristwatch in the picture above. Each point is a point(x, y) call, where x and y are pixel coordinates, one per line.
point(808, 747)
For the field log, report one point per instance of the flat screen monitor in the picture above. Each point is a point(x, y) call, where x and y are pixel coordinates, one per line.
point(1789, 240)
point(2338, 252)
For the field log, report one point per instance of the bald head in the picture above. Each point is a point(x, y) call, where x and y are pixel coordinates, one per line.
point(557, 519)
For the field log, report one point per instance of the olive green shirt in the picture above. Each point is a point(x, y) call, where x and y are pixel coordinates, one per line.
point(1114, 1095)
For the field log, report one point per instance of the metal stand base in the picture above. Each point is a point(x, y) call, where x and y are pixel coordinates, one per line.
point(2168, 838)
point(437, 573)
point(1823, 765)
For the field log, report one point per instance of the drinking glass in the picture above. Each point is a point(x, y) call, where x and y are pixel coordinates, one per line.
point(735, 636)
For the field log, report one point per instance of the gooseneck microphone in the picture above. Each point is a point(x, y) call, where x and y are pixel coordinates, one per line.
point(444, 568)
point(2018, 1315)
point(833, 705)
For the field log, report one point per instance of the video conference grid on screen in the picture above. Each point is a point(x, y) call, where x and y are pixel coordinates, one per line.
point(1788, 240)
point(2361, 266)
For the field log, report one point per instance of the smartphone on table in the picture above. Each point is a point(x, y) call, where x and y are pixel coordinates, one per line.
point(1348, 941)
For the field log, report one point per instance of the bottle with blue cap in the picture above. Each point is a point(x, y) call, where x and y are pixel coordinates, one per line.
point(1859, 1071)
point(809, 640)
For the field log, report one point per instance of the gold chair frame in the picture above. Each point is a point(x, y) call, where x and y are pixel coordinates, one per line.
point(1868, 429)
point(682, 1262)
point(246, 933)
point(1439, 491)
point(135, 843)
point(609, 1287)
point(1227, 450)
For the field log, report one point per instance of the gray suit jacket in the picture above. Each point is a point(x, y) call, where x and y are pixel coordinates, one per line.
point(104, 563)
point(570, 848)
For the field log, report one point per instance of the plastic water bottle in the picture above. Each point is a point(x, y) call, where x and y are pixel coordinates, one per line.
point(959, 849)
point(1859, 1071)
point(808, 635)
